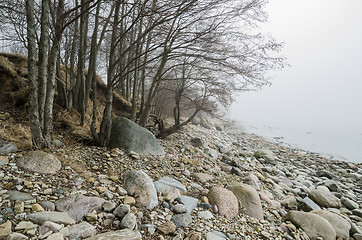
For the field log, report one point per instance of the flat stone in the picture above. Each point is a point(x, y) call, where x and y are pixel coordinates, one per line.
point(189, 202)
point(19, 196)
point(40, 162)
point(179, 208)
point(216, 235)
point(55, 236)
point(16, 236)
point(205, 215)
point(166, 185)
point(203, 177)
point(47, 205)
point(77, 206)
point(49, 226)
point(25, 225)
point(6, 148)
point(182, 220)
point(109, 206)
point(125, 234)
point(306, 204)
point(348, 203)
point(82, 230)
point(57, 217)
point(167, 228)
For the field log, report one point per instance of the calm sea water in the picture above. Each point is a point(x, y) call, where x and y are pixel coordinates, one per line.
point(333, 143)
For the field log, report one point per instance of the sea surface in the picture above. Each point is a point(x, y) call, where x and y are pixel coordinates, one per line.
point(333, 143)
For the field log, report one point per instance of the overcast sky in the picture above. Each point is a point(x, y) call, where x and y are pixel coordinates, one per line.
point(323, 86)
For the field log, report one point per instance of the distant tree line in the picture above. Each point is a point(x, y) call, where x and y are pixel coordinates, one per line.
point(164, 56)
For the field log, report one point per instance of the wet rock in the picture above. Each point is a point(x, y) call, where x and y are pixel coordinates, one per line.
point(314, 225)
point(248, 198)
point(82, 230)
point(129, 136)
point(182, 220)
point(40, 162)
point(323, 197)
point(167, 228)
point(140, 185)
point(125, 234)
point(225, 200)
point(340, 225)
point(79, 205)
point(57, 217)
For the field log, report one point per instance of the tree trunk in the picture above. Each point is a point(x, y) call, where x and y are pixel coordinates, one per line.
point(36, 133)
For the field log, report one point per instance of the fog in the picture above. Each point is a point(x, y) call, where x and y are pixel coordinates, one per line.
point(321, 93)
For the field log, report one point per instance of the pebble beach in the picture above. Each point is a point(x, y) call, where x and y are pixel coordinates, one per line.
point(214, 182)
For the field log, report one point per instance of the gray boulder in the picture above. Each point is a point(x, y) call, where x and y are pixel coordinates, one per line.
point(323, 197)
point(182, 220)
point(124, 234)
point(129, 136)
point(82, 230)
point(6, 148)
point(19, 196)
point(140, 185)
point(249, 199)
point(77, 206)
point(314, 225)
point(340, 225)
point(40, 162)
point(129, 221)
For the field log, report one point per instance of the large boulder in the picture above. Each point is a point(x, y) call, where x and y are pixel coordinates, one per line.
point(77, 206)
point(324, 198)
point(140, 185)
point(129, 136)
point(40, 162)
point(226, 202)
point(249, 199)
point(340, 225)
point(314, 225)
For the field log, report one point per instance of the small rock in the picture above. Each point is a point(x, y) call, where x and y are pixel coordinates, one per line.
point(125, 234)
point(182, 220)
point(5, 229)
point(348, 203)
point(122, 210)
point(91, 217)
point(205, 215)
point(179, 208)
point(129, 221)
point(323, 197)
point(129, 201)
point(37, 208)
point(203, 177)
point(16, 236)
point(109, 206)
point(55, 236)
point(82, 230)
point(189, 202)
point(225, 200)
point(167, 228)
point(25, 225)
point(47, 205)
point(216, 235)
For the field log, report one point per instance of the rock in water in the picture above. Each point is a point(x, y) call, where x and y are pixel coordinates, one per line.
point(125, 234)
point(323, 197)
point(40, 162)
point(248, 198)
point(129, 136)
point(340, 225)
point(313, 224)
point(77, 206)
point(225, 200)
point(140, 185)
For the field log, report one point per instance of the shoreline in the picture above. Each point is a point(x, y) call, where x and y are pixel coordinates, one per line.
point(205, 158)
